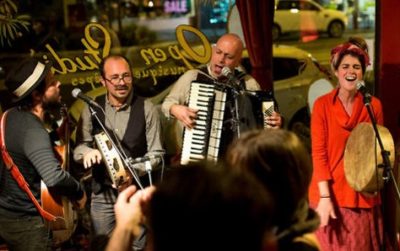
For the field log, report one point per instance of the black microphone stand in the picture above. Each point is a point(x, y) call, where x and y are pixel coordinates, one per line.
point(125, 159)
point(387, 174)
point(235, 112)
point(236, 89)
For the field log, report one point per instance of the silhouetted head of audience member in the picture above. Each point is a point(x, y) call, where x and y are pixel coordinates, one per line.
point(207, 207)
point(281, 162)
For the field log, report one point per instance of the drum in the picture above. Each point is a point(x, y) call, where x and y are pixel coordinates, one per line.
point(112, 160)
point(363, 159)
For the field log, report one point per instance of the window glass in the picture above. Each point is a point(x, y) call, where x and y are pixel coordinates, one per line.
point(165, 38)
point(285, 68)
point(286, 5)
point(307, 6)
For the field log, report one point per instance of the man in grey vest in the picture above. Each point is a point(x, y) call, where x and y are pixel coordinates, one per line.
point(130, 119)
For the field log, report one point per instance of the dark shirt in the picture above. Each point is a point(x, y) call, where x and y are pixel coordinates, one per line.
point(29, 145)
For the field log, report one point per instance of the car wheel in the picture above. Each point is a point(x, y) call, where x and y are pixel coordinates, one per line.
point(276, 32)
point(300, 125)
point(335, 29)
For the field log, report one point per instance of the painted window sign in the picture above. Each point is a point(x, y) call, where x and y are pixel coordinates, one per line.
point(177, 6)
point(92, 54)
point(80, 68)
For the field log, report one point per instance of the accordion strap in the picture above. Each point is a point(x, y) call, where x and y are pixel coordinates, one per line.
point(16, 174)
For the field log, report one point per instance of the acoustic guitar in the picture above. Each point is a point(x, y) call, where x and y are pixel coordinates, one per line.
point(60, 206)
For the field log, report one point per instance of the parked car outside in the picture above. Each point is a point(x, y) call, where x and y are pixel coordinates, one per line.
point(307, 16)
point(294, 72)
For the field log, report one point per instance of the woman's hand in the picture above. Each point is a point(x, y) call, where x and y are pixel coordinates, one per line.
point(325, 210)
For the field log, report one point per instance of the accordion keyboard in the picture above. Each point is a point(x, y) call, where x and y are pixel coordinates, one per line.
point(203, 139)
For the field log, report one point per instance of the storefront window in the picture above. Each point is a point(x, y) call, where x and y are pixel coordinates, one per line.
point(76, 34)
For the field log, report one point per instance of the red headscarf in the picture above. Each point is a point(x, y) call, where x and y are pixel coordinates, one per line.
point(340, 49)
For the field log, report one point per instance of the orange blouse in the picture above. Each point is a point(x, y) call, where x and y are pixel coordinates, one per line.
point(330, 128)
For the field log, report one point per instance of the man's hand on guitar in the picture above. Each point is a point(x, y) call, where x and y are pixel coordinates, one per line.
point(91, 158)
point(184, 114)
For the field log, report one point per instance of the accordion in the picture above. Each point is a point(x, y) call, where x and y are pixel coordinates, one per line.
point(204, 142)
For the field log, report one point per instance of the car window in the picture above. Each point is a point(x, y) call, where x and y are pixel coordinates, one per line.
point(286, 68)
point(302, 66)
point(287, 5)
point(246, 64)
point(308, 6)
point(283, 67)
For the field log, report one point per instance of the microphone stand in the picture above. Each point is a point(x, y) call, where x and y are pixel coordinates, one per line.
point(237, 118)
point(236, 89)
point(387, 174)
point(148, 165)
point(148, 168)
point(127, 161)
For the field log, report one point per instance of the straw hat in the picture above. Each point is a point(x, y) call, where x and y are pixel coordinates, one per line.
point(24, 78)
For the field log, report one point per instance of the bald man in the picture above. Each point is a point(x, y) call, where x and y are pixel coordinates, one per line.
point(227, 52)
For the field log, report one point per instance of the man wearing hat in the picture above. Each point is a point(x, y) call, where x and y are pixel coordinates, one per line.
point(34, 90)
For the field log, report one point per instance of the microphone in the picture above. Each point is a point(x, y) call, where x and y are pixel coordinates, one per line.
point(146, 158)
point(361, 88)
point(226, 71)
point(77, 93)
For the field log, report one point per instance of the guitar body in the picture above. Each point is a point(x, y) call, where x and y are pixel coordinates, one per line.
point(67, 217)
point(60, 206)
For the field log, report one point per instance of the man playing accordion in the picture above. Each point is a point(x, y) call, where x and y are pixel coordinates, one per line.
point(227, 55)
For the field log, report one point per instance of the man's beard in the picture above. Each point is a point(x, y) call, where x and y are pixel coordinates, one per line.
point(52, 104)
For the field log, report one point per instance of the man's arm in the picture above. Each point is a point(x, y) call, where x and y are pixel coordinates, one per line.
point(251, 83)
point(43, 158)
point(83, 153)
point(153, 128)
point(179, 93)
point(175, 104)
